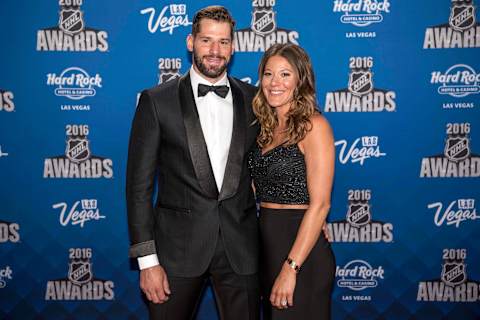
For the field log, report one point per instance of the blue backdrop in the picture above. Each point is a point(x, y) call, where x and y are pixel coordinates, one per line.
point(398, 80)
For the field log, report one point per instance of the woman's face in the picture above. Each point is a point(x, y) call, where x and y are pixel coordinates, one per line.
point(279, 82)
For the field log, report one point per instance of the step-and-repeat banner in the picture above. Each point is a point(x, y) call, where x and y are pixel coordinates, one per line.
point(398, 80)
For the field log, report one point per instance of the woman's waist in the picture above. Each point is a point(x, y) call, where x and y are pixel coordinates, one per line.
point(276, 211)
point(284, 206)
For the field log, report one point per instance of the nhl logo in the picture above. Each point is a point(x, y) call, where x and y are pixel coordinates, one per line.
point(71, 21)
point(457, 149)
point(358, 214)
point(263, 22)
point(77, 150)
point(453, 273)
point(167, 76)
point(79, 272)
point(360, 83)
point(462, 17)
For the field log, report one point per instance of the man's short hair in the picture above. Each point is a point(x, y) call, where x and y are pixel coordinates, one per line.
point(217, 13)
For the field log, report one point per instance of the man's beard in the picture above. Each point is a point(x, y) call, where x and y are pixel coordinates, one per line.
point(212, 72)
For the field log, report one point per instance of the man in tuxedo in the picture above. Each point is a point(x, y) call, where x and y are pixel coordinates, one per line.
point(192, 135)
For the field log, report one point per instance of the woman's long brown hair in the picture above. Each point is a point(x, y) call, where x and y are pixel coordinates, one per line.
point(303, 104)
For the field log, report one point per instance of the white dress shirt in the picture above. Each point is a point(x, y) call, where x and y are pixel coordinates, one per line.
point(216, 120)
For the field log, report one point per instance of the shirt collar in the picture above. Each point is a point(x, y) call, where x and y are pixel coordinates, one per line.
point(195, 79)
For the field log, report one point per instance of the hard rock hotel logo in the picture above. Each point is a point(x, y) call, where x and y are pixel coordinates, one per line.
point(78, 161)
point(360, 95)
point(80, 283)
point(74, 83)
point(358, 225)
point(457, 160)
point(361, 13)
point(71, 34)
point(168, 69)
point(358, 275)
point(9, 232)
point(263, 31)
point(458, 81)
point(5, 275)
point(461, 31)
point(6, 101)
point(454, 284)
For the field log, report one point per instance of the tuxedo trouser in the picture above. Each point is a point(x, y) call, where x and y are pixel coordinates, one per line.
point(237, 296)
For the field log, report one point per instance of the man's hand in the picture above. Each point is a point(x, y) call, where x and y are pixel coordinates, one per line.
point(154, 283)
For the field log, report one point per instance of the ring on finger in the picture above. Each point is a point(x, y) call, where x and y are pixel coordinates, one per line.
point(284, 302)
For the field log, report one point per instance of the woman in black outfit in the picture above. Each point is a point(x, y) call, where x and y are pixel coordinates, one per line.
point(292, 168)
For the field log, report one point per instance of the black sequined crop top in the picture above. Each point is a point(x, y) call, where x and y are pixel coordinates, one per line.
point(279, 175)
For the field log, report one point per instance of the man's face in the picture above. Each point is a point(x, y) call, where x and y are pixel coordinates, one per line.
point(212, 48)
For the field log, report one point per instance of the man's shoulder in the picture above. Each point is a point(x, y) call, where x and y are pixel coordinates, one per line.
point(164, 89)
point(244, 86)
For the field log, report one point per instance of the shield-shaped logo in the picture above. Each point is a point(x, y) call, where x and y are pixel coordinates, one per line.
point(462, 17)
point(360, 82)
point(71, 21)
point(167, 76)
point(77, 150)
point(79, 272)
point(358, 214)
point(457, 148)
point(263, 22)
point(454, 273)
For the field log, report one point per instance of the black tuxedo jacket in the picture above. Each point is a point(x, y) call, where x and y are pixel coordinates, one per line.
point(167, 146)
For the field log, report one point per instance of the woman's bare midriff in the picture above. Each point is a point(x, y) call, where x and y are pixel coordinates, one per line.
point(272, 205)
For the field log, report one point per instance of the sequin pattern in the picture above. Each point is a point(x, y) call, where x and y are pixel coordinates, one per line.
point(279, 175)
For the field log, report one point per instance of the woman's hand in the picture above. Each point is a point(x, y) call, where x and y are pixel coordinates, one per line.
point(283, 288)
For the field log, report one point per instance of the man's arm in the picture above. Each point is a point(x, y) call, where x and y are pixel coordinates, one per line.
point(143, 151)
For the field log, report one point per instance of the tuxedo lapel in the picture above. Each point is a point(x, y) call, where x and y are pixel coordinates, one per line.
point(236, 153)
point(196, 141)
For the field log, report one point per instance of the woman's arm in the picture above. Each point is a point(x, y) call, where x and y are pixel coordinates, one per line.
point(319, 150)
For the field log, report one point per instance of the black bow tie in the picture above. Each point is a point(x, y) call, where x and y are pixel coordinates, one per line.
point(221, 91)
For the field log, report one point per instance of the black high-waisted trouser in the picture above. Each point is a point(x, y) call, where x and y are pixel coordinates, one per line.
point(312, 295)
